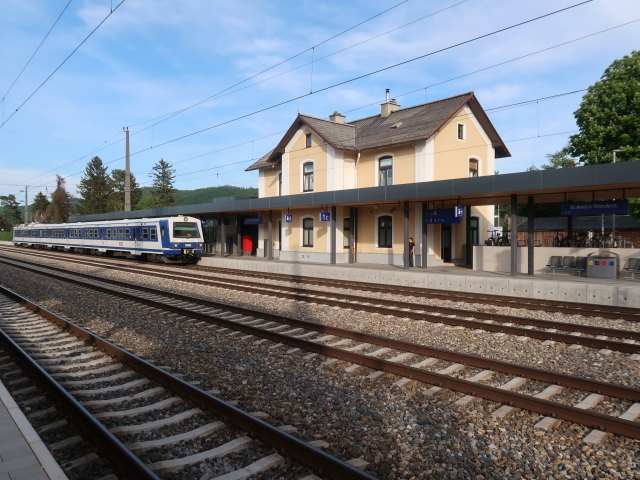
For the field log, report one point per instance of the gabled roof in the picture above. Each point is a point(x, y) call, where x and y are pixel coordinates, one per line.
point(405, 125)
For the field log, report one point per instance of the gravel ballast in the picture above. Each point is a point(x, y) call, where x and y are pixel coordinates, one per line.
point(402, 432)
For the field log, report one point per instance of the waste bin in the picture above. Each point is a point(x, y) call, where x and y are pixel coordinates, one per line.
point(600, 265)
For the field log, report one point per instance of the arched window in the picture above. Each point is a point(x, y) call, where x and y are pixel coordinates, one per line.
point(307, 232)
point(385, 170)
point(307, 177)
point(385, 231)
point(473, 167)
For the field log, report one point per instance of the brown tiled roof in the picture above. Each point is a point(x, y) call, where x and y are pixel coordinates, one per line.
point(402, 126)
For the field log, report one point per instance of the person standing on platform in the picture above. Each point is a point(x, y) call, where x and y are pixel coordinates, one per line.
point(412, 249)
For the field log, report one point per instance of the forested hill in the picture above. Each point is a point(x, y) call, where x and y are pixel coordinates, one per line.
point(204, 195)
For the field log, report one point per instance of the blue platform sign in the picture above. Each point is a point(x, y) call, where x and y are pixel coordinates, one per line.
point(444, 215)
point(325, 217)
point(619, 207)
point(288, 217)
point(253, 220)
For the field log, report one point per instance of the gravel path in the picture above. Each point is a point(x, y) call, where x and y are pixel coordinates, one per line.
point(401, 431)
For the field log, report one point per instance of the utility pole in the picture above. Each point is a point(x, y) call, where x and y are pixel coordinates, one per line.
point(127, 175)
point(26, 204)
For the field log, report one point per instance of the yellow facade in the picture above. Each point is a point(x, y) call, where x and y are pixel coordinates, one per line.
point(453, 154)
point(270, 177)
point(459, 148)
point(294, 232)
point(299, 154)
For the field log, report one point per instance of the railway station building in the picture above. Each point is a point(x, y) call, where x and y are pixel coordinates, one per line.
point(336, 191)
point(441, 140)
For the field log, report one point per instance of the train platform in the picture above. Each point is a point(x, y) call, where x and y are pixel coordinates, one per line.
point(561, 286)
point(22, 454)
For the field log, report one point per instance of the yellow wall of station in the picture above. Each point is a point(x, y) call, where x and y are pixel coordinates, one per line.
point(299, 154)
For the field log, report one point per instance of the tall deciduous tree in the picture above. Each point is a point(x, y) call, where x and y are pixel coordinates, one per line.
point(116, 200)
point(609, 115)
point(60, 207)
point(95, 187)
point(39, 206)
point(163, 191)
point(560, 159)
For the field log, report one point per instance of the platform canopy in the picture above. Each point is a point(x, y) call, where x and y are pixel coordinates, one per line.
point(588, 183)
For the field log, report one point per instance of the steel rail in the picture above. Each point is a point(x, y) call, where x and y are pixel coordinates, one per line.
point(472, 324)
point(592, 310)
point(117, 452)
point(592, 419)
point(620, 391)
point(297, 293)
point(294, 447)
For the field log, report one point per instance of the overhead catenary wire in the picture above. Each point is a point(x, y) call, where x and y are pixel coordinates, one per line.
point(354, 79)
point(35, 51)
point(61, 64)
point(359, 77)
point(167, 116)
point(498, 108)
point(362, 76)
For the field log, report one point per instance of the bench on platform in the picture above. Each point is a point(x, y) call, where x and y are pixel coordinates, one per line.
point(632, 267)
point(567, 263)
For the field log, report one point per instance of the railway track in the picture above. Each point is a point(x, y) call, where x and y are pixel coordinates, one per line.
point(385, 355)
point(587, 310)
point(144, 418)
point(627, 341)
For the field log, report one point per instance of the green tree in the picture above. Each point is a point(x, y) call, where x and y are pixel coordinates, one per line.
point(39, 207)
point(116, 200)
point(163, 191)
point(560, 159)
point(10, 213)
point(609, 115)
point(146, 200)
point(95, 187)
point(60, 207)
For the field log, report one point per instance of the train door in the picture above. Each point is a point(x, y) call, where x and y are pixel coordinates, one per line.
point(445, 242)
point(137, 238)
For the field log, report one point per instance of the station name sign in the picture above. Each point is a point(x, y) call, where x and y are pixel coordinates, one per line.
point(444, 215)
point(252, 220)
point(618, 207)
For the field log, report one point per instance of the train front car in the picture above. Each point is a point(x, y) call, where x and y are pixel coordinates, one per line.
point(182, 240)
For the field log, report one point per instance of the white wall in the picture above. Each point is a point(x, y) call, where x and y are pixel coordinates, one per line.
point(498, 259)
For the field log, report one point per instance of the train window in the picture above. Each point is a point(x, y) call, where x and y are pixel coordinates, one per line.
point(185, 230)
point(145, 233)
point(161, 230)
point(95, 232)
point(127, 233)
point(154, 234)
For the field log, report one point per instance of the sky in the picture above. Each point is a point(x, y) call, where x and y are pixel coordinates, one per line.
point(211, 86)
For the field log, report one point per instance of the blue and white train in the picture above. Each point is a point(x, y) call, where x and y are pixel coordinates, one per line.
point(168, 239)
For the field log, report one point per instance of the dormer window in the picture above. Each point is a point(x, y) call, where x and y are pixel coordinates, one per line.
point(308, 140)
point(462, 134)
